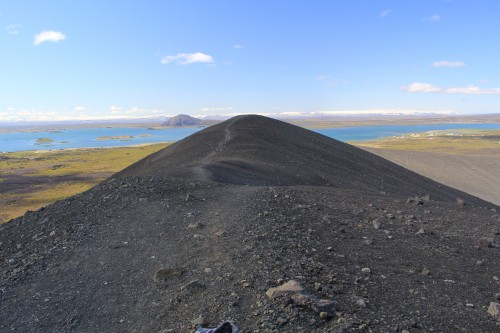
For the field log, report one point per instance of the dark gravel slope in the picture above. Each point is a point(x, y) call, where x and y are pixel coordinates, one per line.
point(255, 150)
point(150, 251)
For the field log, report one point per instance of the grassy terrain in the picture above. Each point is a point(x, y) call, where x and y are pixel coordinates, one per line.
point(33, 179)
point(466, 141)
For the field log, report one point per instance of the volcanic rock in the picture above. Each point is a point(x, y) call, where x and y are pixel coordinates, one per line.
point(295, 205)
point(494, 310)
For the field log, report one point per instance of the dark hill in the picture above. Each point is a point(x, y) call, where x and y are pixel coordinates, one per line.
point(257, 151)
point(182, 120)
point(180, 238)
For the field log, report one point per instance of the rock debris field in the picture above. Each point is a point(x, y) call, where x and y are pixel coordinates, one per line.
point(261, 223)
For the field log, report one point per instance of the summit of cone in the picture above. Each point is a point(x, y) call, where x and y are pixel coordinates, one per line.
point(256, 150)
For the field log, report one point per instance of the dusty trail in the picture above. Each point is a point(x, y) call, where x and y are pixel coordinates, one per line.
point(200, 171)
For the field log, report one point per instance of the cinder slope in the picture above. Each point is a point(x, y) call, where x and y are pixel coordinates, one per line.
point(150, 252)
point(255, 150)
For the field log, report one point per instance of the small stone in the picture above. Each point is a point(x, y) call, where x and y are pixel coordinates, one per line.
point(425, 271)
point(301, 297)
point(460, 202)
point(162, 275)
point(199, 321)
point(421, 231)
point(290, 286)
point(281, 321)
point(469, 305)
point(415, 200)
point(190, 197)
point(376, 224)
point(497, 297)
point(329, 248)
point(193, 286)
point(366, 270)
point(404, 331)
point(245, 285)
point(208, 270)
point(361, 303)
point(494, 310)
point(221, 233)
point(485, 242)
point(196, 225)
point(52, 233)
point(312, 302)
point(324, 315)
point(12, 261)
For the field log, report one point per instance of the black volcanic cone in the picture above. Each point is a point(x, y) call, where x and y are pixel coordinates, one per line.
point(179, 238)
point(256, 150)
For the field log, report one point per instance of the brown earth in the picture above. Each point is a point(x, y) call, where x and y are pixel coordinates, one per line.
point(201, 230)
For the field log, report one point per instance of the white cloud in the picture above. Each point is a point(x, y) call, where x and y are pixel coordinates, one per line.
point(429, 88)
point(188, 58)
point(420, 87)
point(238, 46)
point(114, 109)
point(13, 29)
point(385, 112)
point(13, 115)
point(434, 18)
point(341, 113)
point(472, 90)
point(385, 13)
point(48, 36)
point(79, 109)
point(450, 64)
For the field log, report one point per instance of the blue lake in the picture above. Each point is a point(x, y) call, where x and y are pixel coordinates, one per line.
point(87, 137)
point(365, 133)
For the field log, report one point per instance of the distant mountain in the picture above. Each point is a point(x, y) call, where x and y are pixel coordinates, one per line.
point(182, 120)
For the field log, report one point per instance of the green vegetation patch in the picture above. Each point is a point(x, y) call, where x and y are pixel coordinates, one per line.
point(464, 141)
point(43, 141)
point(63, 173)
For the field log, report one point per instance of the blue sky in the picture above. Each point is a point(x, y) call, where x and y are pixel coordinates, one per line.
point(104, 59)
